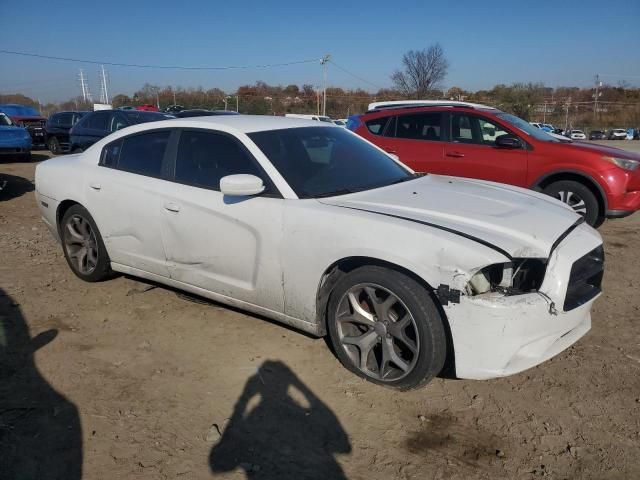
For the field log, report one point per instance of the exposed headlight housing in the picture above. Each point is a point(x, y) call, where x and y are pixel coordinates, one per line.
point(624, 163)
point(522, 275)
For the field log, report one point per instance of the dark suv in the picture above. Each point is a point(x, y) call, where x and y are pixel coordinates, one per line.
point(97, 125)
point(29, 118)
point(477, 141)
point(57, 130)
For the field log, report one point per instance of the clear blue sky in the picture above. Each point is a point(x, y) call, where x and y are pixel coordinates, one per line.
point(487, 42)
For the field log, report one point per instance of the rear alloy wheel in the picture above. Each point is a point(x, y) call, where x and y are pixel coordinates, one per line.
point(83, 246)
point(54, 145)
point(579, 197)
point(385, 327)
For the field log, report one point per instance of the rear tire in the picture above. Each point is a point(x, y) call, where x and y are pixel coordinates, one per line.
point(54, 146)
point(385, 327)
point(579, 197)
point(83, 247)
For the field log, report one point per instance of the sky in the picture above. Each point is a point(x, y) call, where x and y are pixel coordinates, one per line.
point(559, 43)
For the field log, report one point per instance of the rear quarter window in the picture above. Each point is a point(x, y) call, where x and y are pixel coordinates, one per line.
point(376, 126)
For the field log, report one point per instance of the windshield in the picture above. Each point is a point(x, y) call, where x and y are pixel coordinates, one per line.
point(4, 120)
point(526, 127)
point(322, 162)
point(19, 111)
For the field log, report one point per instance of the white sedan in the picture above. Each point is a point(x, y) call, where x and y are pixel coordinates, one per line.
point(310, 225)
point(577, 135)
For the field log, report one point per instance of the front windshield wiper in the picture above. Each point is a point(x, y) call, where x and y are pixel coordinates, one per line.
point(342, 191)
point(412, 176)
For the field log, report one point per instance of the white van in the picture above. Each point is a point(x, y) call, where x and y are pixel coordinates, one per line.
point(318, 118)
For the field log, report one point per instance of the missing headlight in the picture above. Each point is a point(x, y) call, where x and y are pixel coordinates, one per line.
point(522, 275)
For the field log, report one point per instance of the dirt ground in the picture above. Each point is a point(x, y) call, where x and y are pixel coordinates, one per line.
point(124, 380)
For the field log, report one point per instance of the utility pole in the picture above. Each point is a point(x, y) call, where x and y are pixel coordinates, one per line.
point(544, 112)
point(104, 92)
point(157, 98)
point(566, 117)
point(174, 95)
point(237, 111)
point(323, 61)
point(83, 85)
point(595, 102)
point(225, 100)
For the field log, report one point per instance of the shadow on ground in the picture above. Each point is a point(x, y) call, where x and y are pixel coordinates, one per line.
point(40, 435)
point(12, 186)
point(280, 429)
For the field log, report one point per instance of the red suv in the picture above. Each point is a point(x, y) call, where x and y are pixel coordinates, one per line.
point(470, 140)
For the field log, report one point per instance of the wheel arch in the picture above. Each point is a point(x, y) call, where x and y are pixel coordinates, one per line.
point(577, 176)
point(339, 268)
point(62, 209)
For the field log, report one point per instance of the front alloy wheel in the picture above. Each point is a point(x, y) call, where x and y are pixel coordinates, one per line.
point(377, 332)
point(579, 197)
point(385, 327)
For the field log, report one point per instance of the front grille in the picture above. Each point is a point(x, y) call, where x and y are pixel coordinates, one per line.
point(585, 280)
point(34, 123)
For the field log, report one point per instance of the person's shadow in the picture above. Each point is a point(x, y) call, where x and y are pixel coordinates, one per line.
point(40, 435)
point(279, 430)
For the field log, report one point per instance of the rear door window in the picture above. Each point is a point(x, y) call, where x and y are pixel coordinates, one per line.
point(142, 153)
point(420, 126)
point(97, 121)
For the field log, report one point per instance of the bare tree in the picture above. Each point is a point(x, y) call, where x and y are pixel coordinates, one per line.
point(423, 71)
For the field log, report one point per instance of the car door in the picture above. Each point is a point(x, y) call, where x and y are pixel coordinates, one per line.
point(126, 198)
point(226, 245)
point(472, 151)
point(417, 140)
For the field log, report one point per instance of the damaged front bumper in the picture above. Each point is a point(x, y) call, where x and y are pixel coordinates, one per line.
point(496, 335)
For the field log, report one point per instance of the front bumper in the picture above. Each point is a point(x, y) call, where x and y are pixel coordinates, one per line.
point(496, 335)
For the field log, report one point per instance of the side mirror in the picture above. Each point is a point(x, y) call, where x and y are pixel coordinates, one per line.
point(507, 141)
point(241, 185)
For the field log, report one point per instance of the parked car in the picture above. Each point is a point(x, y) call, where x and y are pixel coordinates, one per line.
point(57, 130)
point(96, 125)
point(577, 135)
point(597, 135)
point(174, 109)
point(317, 118)
point(340, 123)
point(126, 107)
point(29, 118)
point(147, 108)
point(15, 141)
point(631, 134)
point(617, 134)
point(200, 112)
point(470, 140)
point(327, 233)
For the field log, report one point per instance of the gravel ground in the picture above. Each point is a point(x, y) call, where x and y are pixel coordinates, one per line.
point(127, 380)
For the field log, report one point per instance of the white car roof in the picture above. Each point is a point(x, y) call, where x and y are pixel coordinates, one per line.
point(241, 123)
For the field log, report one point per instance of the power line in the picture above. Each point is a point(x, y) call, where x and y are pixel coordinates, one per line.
point(163, 67)
point(355, 76)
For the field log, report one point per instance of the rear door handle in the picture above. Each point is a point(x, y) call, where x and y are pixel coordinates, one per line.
point(95, 186)
point(172, 207)
point(455, 154)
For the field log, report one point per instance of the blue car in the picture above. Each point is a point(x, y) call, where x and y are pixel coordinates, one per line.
point(14, 141)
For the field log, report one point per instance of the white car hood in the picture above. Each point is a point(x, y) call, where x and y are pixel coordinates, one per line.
point(513, 220)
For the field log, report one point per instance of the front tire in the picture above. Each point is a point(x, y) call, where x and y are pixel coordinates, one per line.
point(83, 247)
point(385, 327)
point(579, 197)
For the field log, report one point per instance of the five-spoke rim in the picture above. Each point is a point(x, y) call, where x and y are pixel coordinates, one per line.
point(574, 200)
point(377, 332)
point(80, 243)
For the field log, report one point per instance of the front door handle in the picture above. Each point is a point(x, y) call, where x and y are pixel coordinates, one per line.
point(95, 186)
point(172, 207)
point(455, 154)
